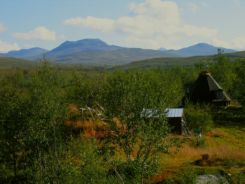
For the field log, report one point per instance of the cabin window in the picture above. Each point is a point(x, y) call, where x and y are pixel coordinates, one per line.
point(187, 90)
point(219, 94)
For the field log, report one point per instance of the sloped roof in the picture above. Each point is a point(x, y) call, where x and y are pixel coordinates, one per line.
point(207, 77)
point(205, 87)
point(225, 97)
point(213, 85)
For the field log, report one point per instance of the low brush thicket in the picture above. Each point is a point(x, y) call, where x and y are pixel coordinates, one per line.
point(46, 138)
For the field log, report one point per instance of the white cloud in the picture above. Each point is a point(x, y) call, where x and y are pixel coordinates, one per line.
point(153, 22)
point(28, 45)
point(166, 11)
point(6, 47)
point(3, 28)
point(93, 23)
point(62, 37)
point(40, 33)
point(220, 43)
point(155, 43)
point(204, 4)
point(192, 7)
point(239, 42)
point(199, 32)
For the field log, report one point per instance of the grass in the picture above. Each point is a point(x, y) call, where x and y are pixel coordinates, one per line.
point(10, 62)
point(224, 143)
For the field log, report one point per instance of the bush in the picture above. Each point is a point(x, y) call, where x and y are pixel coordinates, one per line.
point(188, 177)
point(239, 178)
point(198, 117)
point(201, 143)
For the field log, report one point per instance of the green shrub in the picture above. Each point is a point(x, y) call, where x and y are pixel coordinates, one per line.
point(198, 117)
point(189, 176)
point(201, 142)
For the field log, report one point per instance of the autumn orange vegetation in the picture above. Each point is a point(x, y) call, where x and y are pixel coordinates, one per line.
point(88, 126)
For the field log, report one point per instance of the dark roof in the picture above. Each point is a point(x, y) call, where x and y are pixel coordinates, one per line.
point(213, 85)
point(225, 98)
point(205, 89)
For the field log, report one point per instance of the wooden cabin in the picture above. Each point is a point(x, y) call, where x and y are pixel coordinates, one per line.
point(206, 90)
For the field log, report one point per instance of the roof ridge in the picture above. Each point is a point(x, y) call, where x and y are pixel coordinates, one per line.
point(214, 82)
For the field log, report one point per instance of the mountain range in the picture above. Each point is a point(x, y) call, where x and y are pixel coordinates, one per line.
point(200, 49)
point(25, 53)
point(85, 45)
point(112, 57)
point(97, 52)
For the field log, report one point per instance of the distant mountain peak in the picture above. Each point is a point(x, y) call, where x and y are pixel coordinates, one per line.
point(199, 50)
point(162, 49)
point(26, 53)
point(203, 45)
point(79, 46)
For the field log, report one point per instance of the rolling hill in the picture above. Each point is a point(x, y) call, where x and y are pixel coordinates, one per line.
point(173, 61)
point(25, 53)
point(72, 47)
point(125, 54)
point(200, 49)
point(112, 57)
point(9, 62)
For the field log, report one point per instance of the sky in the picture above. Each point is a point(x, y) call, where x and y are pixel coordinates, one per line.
point(148, 24)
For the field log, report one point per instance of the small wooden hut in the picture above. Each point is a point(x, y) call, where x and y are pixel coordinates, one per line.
point(206, 90)
point(175, 117)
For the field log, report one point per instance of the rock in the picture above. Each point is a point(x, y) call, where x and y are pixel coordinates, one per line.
point(211, 179)
point(235, 166)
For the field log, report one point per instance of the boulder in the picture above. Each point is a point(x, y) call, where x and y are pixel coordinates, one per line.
point(211, 179)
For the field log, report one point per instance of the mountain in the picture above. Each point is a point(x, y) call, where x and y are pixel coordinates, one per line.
point(162, 49)
point(200, 49)
point(85, 45)
point(112, 57)
point(25, 53)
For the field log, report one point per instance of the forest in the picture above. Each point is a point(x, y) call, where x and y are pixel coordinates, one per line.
point(73, 127)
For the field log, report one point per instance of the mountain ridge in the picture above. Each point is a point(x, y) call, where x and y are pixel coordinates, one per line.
point(118, 56)
point(199, 49)
point(25, 53)
point(72, 47)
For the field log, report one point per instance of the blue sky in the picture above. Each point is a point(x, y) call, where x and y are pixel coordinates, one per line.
point(149, 24)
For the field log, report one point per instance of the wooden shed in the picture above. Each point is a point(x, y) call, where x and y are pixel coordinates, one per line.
point(175, 118)
point(206, 90)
